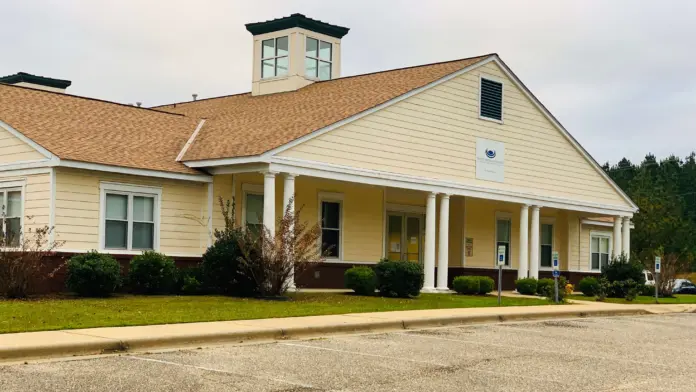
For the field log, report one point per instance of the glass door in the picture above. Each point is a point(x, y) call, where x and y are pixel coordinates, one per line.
point(405, 237)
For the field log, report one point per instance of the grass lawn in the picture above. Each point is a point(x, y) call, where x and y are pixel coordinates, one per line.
point(677, 299)
point(70, 313)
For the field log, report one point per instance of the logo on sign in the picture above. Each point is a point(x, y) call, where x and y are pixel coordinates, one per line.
point(490, 153)
point(556, 273)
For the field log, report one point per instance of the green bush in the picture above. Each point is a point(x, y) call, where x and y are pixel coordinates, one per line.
point(589, 286)
point(189, 281)
point(221, 270)
point(647, 290)
point(93, 274)
point(622, 269)
point(546, 288)
point(152, 273)
point(543, 285)
point(526, 286)
point(399, 278)
point(486, 285)
point(362, 280)
point(466, 284)
point(628, 288)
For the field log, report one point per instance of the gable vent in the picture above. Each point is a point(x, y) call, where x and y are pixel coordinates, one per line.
point(491, 99)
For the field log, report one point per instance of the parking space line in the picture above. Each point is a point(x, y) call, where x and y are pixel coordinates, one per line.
point(220, 371)
point(497, 373)
point(537, 350)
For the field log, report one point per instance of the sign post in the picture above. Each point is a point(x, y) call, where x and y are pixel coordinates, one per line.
point(500, 260)
point(556, 274)
point(658, 268)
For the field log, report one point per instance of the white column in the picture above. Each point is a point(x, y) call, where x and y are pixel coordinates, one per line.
point(443, 244)
point(429, 262)
point(523, 269)
point(534, 244)
point(289, 200)
point(626, 240)
point(269, 202)
point(616, 248)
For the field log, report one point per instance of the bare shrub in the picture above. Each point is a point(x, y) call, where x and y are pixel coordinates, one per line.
point(673, 265)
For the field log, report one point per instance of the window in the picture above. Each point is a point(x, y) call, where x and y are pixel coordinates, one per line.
point(254, 212)
point(331, 229)
point(599, 251)
point(318, 58)
point(131, 216)
point(546, 245)
point(274, 57)
point(502, 230)
point(491, 100)
point(11, 216)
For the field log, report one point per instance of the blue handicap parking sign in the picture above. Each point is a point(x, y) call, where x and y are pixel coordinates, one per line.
point(556, 273)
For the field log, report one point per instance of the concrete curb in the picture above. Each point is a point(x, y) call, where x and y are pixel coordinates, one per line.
point(95, 344)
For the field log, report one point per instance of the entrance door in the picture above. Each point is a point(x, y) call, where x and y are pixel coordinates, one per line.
point(405, 237)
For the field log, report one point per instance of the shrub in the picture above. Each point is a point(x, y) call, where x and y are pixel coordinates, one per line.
point(589, 286)
point(399, 278)
point(466, 284)
point(624, 289)
point(152, 273)
point(486, 285)
point(362, 280)
point(93, 274)
point(621, 269)
point(647, 290)
point(526, 286)
point(604, 289)
point(543, 286)
point(189, 281)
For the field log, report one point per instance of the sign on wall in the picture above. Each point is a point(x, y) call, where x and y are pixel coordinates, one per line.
point(490, 160)
point(469, 247)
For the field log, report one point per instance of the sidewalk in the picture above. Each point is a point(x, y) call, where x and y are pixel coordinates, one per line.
point(21, 346)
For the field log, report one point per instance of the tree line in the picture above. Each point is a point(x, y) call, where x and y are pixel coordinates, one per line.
point(665, 192)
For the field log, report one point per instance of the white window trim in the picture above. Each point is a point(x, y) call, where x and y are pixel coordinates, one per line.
point(130, 190)
point(501, 215)
point(304, 65)
point(602, 234)
point(275, 57)
point(502, 98)
point(333, 197)
point(548, 221)
point(13, 186)
point(254, 189)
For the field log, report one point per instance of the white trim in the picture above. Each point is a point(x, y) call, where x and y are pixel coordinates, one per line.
point(502, 215)
point(129, 252)
point(26, 165)
point(52, 208)
point(24, 172)
point(379, 178)
point(13, 186)
point(333, 197)
point(374, 109)
point(340, 261)
point(12, 183)
point(189, 142)
point(384, 222)
point(393, 207)
point(241, 168)
point(25, 139)
point(135, 172)
point(130, 190)
point(502, 98)
point(463, 239)
point(600, 223)
point(226, 161)
point(210, 213)
point(602, 234)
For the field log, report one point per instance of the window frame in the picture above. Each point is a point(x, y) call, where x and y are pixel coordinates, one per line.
point(502, 98)
point(600, 234)
point(275, 57)
point(508, 260)
point(552, 223)
point(332, 197)
point(318, 58)
point(131, 191)
point(5, 188)
point(247, 189)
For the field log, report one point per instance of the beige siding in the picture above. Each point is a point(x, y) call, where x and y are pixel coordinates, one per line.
point(183, 225)
point(37, 198)
point(433, 134)
point(14, 150)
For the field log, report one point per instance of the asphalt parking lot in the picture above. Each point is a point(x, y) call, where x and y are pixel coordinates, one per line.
point(646, 353)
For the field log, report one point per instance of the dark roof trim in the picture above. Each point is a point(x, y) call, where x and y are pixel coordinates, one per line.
point(297, 20)
point(33, 79)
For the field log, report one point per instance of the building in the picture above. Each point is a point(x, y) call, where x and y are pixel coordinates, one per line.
point(439, 164)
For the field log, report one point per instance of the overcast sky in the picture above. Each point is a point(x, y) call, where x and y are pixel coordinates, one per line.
point(620, 75)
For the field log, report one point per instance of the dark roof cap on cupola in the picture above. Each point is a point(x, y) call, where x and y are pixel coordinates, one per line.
point(297, 20)
point(20, 77)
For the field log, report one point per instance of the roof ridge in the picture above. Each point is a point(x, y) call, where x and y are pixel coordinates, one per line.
point(89, 99)
point(333, 80)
